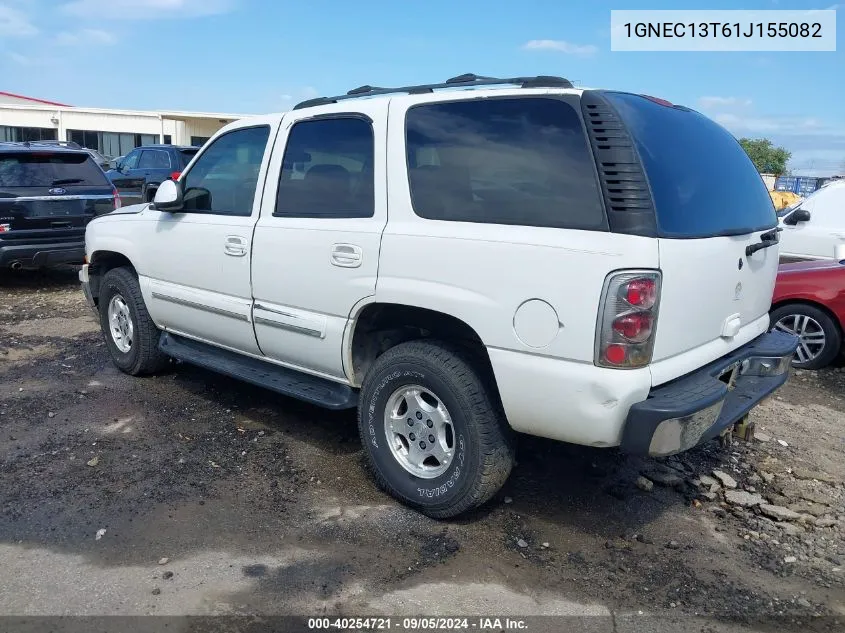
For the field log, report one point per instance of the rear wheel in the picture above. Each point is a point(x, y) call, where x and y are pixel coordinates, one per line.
point(131, 336)
point(433, 430)
point(820, 338)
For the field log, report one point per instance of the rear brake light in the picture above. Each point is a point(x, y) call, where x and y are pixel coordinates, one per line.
point(634, 327)
point(627, 319)
point(5, 228)
point(659, 101)
point(641, 293)
point(117, 201)
point(175, 175)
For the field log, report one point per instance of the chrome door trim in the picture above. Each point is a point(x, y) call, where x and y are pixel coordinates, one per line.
point(200, 306)
point(293, 322)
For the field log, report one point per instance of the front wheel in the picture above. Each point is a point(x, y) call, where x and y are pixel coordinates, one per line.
point(131, 336)
point(433, 430)
point(820, 339)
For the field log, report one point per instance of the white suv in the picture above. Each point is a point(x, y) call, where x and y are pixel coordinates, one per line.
point(460, 261)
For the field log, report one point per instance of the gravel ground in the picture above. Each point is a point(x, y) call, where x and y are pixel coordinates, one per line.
point(190, 493)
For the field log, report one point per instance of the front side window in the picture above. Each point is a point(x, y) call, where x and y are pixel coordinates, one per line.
point(509, 161)
point(224, 178)
point(327, 171)
point(131, 160)
point(154, 159)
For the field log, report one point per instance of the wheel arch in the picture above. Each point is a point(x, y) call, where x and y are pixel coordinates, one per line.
point(809, 302)
point(379, 326)
point(101, 261)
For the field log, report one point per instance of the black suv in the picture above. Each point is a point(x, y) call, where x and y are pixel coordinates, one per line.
point(138, 174)
point(48, 194)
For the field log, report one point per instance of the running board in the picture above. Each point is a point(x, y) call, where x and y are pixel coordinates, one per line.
point(288, 382)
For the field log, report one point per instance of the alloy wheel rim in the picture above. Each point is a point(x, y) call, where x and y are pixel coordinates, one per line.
point(419, 431)
point(811, 335)
point(121, 328)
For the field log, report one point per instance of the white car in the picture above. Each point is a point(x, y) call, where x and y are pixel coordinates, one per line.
point(461, 261)
point(815, 226)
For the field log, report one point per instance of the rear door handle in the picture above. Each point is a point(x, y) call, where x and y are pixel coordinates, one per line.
point(347, 255)
point(235, 246)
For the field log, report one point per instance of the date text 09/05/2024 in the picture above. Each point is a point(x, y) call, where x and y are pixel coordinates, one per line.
point(409, 624)
point(723, 29)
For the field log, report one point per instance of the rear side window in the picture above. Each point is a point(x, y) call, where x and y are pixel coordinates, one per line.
point(327, 170)
point(702, 181)
point(503, 161)
point(154, 159)
point(49, 169)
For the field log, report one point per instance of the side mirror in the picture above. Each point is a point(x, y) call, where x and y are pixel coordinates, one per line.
point(168, 197)
point(799, 215)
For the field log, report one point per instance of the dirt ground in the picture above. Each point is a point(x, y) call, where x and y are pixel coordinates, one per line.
point(190, 493)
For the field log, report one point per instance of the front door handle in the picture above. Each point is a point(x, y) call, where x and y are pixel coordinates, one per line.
point(235, 246)
point(347, 255)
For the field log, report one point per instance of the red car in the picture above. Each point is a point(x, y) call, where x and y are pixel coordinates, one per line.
point(809, 301)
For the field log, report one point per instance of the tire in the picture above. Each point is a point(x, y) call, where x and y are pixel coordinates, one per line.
point(821, 339)
point(133, 347)
point(428, 375)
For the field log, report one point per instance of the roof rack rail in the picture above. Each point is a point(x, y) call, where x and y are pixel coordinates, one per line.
point(465, 80)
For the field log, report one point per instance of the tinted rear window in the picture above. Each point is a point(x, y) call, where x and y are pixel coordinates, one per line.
point(702, 181)
point(45, 169)
point(503, 161)
point(187, 155)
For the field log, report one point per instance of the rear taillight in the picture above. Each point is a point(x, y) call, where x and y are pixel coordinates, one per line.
point(627, 319)
point(175, 175)
point(116, 197)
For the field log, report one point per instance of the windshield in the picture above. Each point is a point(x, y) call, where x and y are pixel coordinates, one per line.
point(49, 169)
point(702, 181)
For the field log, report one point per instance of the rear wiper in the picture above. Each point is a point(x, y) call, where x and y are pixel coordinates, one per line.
point(66, 181)
point(767, 239)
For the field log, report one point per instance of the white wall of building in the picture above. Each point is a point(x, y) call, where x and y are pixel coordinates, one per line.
point(180, 126)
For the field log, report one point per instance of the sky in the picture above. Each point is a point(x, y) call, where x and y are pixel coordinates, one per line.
point(257, 56)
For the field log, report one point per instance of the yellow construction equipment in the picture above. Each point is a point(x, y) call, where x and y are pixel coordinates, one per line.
point(783, 199)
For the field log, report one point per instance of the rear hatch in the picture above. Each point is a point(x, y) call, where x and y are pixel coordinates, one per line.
point(47, 191)
point(711, 205)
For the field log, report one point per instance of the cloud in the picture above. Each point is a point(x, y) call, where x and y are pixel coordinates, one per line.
point(29, 62)
point(146, 9)
point(15, 23)
point(783, 125)
point(86, 37)
point(723, 102)
point(561, 46)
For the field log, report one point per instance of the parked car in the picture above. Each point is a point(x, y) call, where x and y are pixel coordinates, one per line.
point(815, 225)
point(489, 260)
point(48, 194)
point(809, 301)
point(138, 175)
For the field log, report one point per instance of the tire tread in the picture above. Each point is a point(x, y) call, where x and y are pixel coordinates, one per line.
point(150, 359)
point(485, 414)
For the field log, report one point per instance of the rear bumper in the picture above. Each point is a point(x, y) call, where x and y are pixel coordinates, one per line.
point(40, 255)
point(699, 406)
